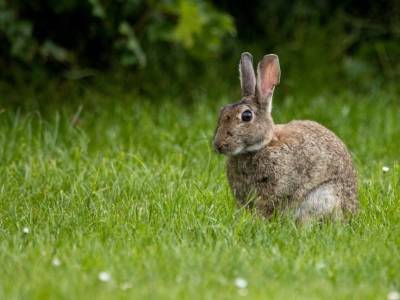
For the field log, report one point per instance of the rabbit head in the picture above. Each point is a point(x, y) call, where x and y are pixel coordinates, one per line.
point(247, 126)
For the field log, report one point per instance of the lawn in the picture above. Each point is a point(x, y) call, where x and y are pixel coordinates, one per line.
point(122, 197)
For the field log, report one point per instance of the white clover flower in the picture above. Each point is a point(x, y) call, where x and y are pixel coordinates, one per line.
point(385, 169)
point(241, 283)
point(393, 295)
point(25, 230)
point(56, 262)
point(104, 276)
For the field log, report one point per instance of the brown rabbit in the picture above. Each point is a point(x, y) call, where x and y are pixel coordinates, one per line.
point(300, 167)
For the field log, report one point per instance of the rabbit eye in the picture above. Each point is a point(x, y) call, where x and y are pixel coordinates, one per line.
point(247, 115)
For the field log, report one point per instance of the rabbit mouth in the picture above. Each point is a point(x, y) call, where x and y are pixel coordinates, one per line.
point(241, 149)
point(228, 150)
point(237, 151)
point(244, 149)
point(253, 147)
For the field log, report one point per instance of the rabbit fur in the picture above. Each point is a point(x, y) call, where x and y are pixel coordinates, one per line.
point(300, 167)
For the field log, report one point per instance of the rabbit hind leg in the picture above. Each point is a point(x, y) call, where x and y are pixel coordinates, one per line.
point(321, 202)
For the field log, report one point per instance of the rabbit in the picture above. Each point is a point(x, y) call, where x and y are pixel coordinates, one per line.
point(300, 167)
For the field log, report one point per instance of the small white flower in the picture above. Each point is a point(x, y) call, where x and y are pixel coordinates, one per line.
point(393, 295)
point(104, 276)
point(25, 230)
point(241, 283)
point(385, 169)
point(56, 262)
point(126, 286)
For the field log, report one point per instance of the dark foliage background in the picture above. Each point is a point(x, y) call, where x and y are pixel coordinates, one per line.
point(182, 47)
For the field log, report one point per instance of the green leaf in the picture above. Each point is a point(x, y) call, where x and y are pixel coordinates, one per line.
point(190, 23)
point(97, 9)
point(51, 50)
point(135, 51)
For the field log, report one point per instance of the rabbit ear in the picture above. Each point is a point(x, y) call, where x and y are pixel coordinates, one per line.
point(268, 76)
point(247, 76)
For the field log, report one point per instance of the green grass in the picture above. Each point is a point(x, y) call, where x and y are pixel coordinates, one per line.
point(134, 188)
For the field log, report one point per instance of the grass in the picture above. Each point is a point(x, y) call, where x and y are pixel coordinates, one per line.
point(132, 188)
